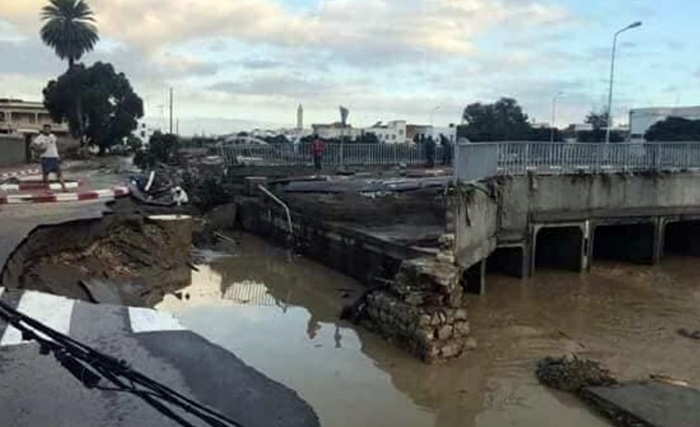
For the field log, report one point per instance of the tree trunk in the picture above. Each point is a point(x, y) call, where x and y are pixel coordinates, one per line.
point(78, 107)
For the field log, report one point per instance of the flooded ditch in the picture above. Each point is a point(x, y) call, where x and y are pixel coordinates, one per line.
point(279, 313)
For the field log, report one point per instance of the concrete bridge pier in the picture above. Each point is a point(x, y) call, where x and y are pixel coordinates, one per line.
point(474, 278)
point(659, 239)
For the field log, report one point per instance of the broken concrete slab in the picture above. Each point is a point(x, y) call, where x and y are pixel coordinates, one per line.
point(647, 404)
point(101, 292)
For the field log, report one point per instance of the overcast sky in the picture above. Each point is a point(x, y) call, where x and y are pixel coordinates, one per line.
point(239, 62)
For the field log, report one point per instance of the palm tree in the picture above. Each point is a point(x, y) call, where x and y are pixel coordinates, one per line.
point(69, 29)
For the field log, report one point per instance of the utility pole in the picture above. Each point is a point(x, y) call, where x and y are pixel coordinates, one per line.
point(171, 110)
point(177, 126)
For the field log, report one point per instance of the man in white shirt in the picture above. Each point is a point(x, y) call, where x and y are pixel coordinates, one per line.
point(45, 143)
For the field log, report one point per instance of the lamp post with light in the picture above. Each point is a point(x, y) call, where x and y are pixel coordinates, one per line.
point(554, 114)
point(612, 77)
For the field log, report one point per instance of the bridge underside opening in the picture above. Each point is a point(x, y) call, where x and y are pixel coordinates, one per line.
point(624, 242)
point(682, 238)
point(560, 248)
point(508, 261)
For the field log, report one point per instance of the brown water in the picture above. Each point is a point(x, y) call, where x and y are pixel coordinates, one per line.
point(280, 315)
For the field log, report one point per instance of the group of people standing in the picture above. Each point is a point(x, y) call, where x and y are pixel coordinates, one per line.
point(430, 148)
point(430, 145)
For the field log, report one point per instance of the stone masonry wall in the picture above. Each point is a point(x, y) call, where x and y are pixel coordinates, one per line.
point(422, 310)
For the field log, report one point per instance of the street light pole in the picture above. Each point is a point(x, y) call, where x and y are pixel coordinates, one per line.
point(554, 114)
point(612, 77)
point(432, 115)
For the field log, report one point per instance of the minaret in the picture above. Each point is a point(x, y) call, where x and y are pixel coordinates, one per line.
point(300, 117)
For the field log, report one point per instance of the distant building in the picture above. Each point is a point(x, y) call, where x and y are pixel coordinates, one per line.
point(336, 131)
point(394, 132)
point(415, 131)
point(300, 117)
point(641, 119)
point(144, 131)
point(24, 117)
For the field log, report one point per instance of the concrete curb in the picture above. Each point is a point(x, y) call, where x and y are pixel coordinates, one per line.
point(111, 193)
point(38, 185)
point(22, 172)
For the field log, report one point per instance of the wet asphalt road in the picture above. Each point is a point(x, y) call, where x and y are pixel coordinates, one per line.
point(36, 391)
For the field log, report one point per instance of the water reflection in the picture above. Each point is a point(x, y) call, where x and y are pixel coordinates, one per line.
point(621, 314)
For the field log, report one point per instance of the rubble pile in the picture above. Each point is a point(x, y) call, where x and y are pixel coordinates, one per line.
point(422, 310)
point(572, 374)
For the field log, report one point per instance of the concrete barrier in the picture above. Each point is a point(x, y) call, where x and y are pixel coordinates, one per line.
point(13, 150)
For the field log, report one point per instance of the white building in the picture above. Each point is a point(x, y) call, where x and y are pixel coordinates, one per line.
point(394, 132)
point(336, 131)
point(641, 119)
point(144, 131)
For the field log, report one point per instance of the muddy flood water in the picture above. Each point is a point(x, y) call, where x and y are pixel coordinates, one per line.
point(280, 315)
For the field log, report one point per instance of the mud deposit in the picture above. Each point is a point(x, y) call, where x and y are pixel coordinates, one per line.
point(136, 257)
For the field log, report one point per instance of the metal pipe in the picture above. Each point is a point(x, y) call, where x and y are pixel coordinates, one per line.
point(281, 203)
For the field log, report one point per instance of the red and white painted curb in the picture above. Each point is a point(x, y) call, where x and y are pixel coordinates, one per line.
point(107, 194)
point(38, 185)
point(22, 172)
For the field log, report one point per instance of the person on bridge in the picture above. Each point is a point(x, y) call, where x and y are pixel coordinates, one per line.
point(430, 148)
point(317, 147)
point(45, 144)
point(446, 150)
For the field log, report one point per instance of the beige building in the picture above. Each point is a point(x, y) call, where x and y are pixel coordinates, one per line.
point(23, 117)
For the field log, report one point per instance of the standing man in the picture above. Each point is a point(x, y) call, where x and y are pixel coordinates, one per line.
point(45, 144)
point(430, 149)
point(446, 150)
point(317, 147)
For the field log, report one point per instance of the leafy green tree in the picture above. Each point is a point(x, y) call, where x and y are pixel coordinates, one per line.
point(134, 143)
point(599, 121)
point(162, 148)
point(503, 120)
point(111, 105)
point(674, 129)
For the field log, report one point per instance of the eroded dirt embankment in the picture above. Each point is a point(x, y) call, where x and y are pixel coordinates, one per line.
point(134, 256)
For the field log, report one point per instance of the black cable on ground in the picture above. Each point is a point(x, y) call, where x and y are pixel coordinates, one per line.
point(89, 366)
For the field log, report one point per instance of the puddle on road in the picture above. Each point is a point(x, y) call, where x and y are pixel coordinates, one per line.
point(279, 314)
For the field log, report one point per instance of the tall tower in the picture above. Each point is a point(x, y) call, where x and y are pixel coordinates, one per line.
point(300, 117)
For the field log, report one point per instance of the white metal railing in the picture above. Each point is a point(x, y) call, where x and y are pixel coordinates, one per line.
point(333, 155)
point(475, 161)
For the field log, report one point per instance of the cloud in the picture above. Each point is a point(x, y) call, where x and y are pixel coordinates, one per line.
point(261, 64)
point(350, 29)
point(274, 84)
